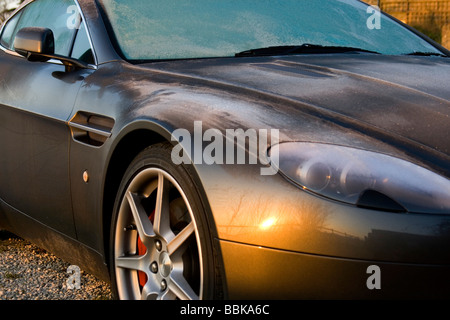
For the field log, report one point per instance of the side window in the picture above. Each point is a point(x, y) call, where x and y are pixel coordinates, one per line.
point(54, 15)
point(9, 31)
point(82, 48)
point(62, 17)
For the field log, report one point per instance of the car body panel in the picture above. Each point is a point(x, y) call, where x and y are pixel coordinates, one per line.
point(170, 101)
point(356, 90)
point(38, 183)
point(319, 277)
point(266, 223)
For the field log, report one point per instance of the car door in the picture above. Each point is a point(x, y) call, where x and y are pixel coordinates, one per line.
point(36, 100)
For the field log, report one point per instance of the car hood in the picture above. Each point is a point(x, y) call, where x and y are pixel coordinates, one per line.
point(401, 100)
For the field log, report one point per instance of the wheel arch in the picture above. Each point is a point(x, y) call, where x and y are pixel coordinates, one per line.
point(128, 144)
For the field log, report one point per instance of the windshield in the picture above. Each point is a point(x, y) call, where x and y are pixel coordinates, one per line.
point(154, 30)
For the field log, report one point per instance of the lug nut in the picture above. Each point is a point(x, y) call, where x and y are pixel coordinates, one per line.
point(158, 245)
point(154, 267)
point(129, 227)
point(163, 285)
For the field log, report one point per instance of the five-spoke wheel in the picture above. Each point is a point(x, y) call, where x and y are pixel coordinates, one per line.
point(157, 244)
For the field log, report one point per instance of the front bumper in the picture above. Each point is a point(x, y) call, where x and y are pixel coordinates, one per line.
point(254, 272)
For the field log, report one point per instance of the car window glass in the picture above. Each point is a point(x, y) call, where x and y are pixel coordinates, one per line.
point(8, 31)
point(55, 15)
point(82, 48)
point(152, 29)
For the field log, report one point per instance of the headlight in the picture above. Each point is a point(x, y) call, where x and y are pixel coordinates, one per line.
point(363, 178)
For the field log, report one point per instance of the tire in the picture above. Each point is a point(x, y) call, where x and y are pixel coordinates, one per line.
point(161, 246)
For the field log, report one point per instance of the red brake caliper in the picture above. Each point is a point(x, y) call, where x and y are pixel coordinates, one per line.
point(141, 251)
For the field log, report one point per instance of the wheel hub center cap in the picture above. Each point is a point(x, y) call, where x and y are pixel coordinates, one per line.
point(165, 264)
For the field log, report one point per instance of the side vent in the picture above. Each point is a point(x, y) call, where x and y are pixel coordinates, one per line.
point(91, 129)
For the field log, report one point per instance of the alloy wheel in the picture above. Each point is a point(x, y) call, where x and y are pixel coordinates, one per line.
point(157, 252)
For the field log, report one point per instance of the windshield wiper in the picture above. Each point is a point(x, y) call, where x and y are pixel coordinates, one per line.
point(301, 49)
point(427, 54)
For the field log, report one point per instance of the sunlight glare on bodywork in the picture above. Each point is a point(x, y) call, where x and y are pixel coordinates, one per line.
point(266, 224)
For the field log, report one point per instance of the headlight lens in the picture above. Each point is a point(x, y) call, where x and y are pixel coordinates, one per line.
point(363, 178)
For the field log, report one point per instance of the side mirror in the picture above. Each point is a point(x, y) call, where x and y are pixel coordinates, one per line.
point(38, 45)
point(35, 43)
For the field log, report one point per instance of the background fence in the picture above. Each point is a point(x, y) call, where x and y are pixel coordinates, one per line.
point(431, 17)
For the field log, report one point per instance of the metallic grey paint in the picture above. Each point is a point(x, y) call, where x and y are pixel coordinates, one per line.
point(317, 248)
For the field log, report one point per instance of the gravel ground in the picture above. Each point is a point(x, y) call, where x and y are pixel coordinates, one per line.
point(30, 273)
